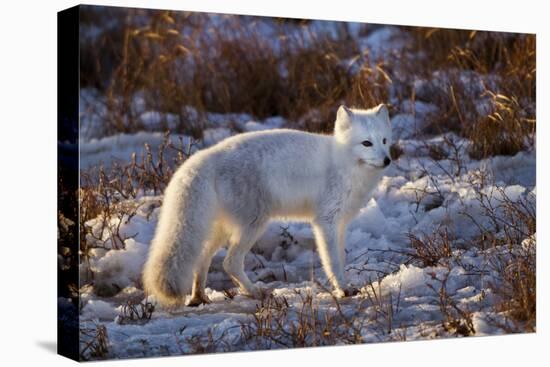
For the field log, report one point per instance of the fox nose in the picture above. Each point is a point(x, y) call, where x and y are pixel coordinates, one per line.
point(387, 161)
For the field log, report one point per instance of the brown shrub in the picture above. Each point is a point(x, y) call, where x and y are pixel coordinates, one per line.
point(504, 64)
point(228, 67)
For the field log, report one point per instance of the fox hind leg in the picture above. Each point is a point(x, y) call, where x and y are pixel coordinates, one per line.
point(240, 244)
point(213, 244)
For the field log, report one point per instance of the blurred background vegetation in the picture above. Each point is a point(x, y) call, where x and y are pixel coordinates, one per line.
point(189, 64)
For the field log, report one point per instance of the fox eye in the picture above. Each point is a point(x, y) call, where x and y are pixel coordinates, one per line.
point(384, 141)
point(367, 143)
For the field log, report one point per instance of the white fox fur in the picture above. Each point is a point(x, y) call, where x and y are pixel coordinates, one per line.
point(228, 193)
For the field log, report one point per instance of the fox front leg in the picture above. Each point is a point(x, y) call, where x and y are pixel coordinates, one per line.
point(330, 251)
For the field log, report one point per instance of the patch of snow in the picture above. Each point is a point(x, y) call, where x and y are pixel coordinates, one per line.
point(98, 309)
point(382, 43)
point(123, 267)
point(405, 280)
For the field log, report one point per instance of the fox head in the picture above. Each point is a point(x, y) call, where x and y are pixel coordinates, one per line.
point(367, 133)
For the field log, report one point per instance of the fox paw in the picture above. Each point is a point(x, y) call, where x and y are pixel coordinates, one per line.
point(198, 300)
point(346, 292)
point(258, 293)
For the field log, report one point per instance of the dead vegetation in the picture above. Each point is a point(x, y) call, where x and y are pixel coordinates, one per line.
point(383, 310)
point(506, 129)
point(94, 343)
point(516, 291)
point(506, 238)
point(431, 249)
point(210, 341)
point(277, 324)
point(483, 84)
point(456, 320)
point(172, 62)
point(515, 262)
point(136, 312)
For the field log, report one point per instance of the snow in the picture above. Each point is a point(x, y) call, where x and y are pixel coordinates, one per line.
point(405, 280)
point(119, 147)
point(121, 267)
point(403, 125)
point(269, 123)
point(105, 150)
point(382, 43)
point(371, 219)
point(529, 244)
point(376, 244)
point(99, 309)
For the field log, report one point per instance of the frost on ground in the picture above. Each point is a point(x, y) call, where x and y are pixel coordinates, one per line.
point(445, 248)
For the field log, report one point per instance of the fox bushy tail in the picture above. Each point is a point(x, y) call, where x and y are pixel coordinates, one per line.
point(184, 223)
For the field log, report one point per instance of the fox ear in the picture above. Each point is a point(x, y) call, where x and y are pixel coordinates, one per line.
point(381, 111)
point(343, 118)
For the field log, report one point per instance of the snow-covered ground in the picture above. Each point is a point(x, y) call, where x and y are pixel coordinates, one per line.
point(400, 297)
point(285, 260)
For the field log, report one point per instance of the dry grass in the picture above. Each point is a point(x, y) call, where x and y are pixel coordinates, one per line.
point(507, 239)
point(94, 343)
point(277, 324)
point(233, 66)
point(499, 68)
point(515, 263)
point(433, 249)
point(209, 341)
point(456, 320)
point(384, 308)
point(229, 67)
point(136, 313)
point(516, 291)
point(506, 130)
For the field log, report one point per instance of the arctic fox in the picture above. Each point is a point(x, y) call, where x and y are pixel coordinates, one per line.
point(228, 193)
